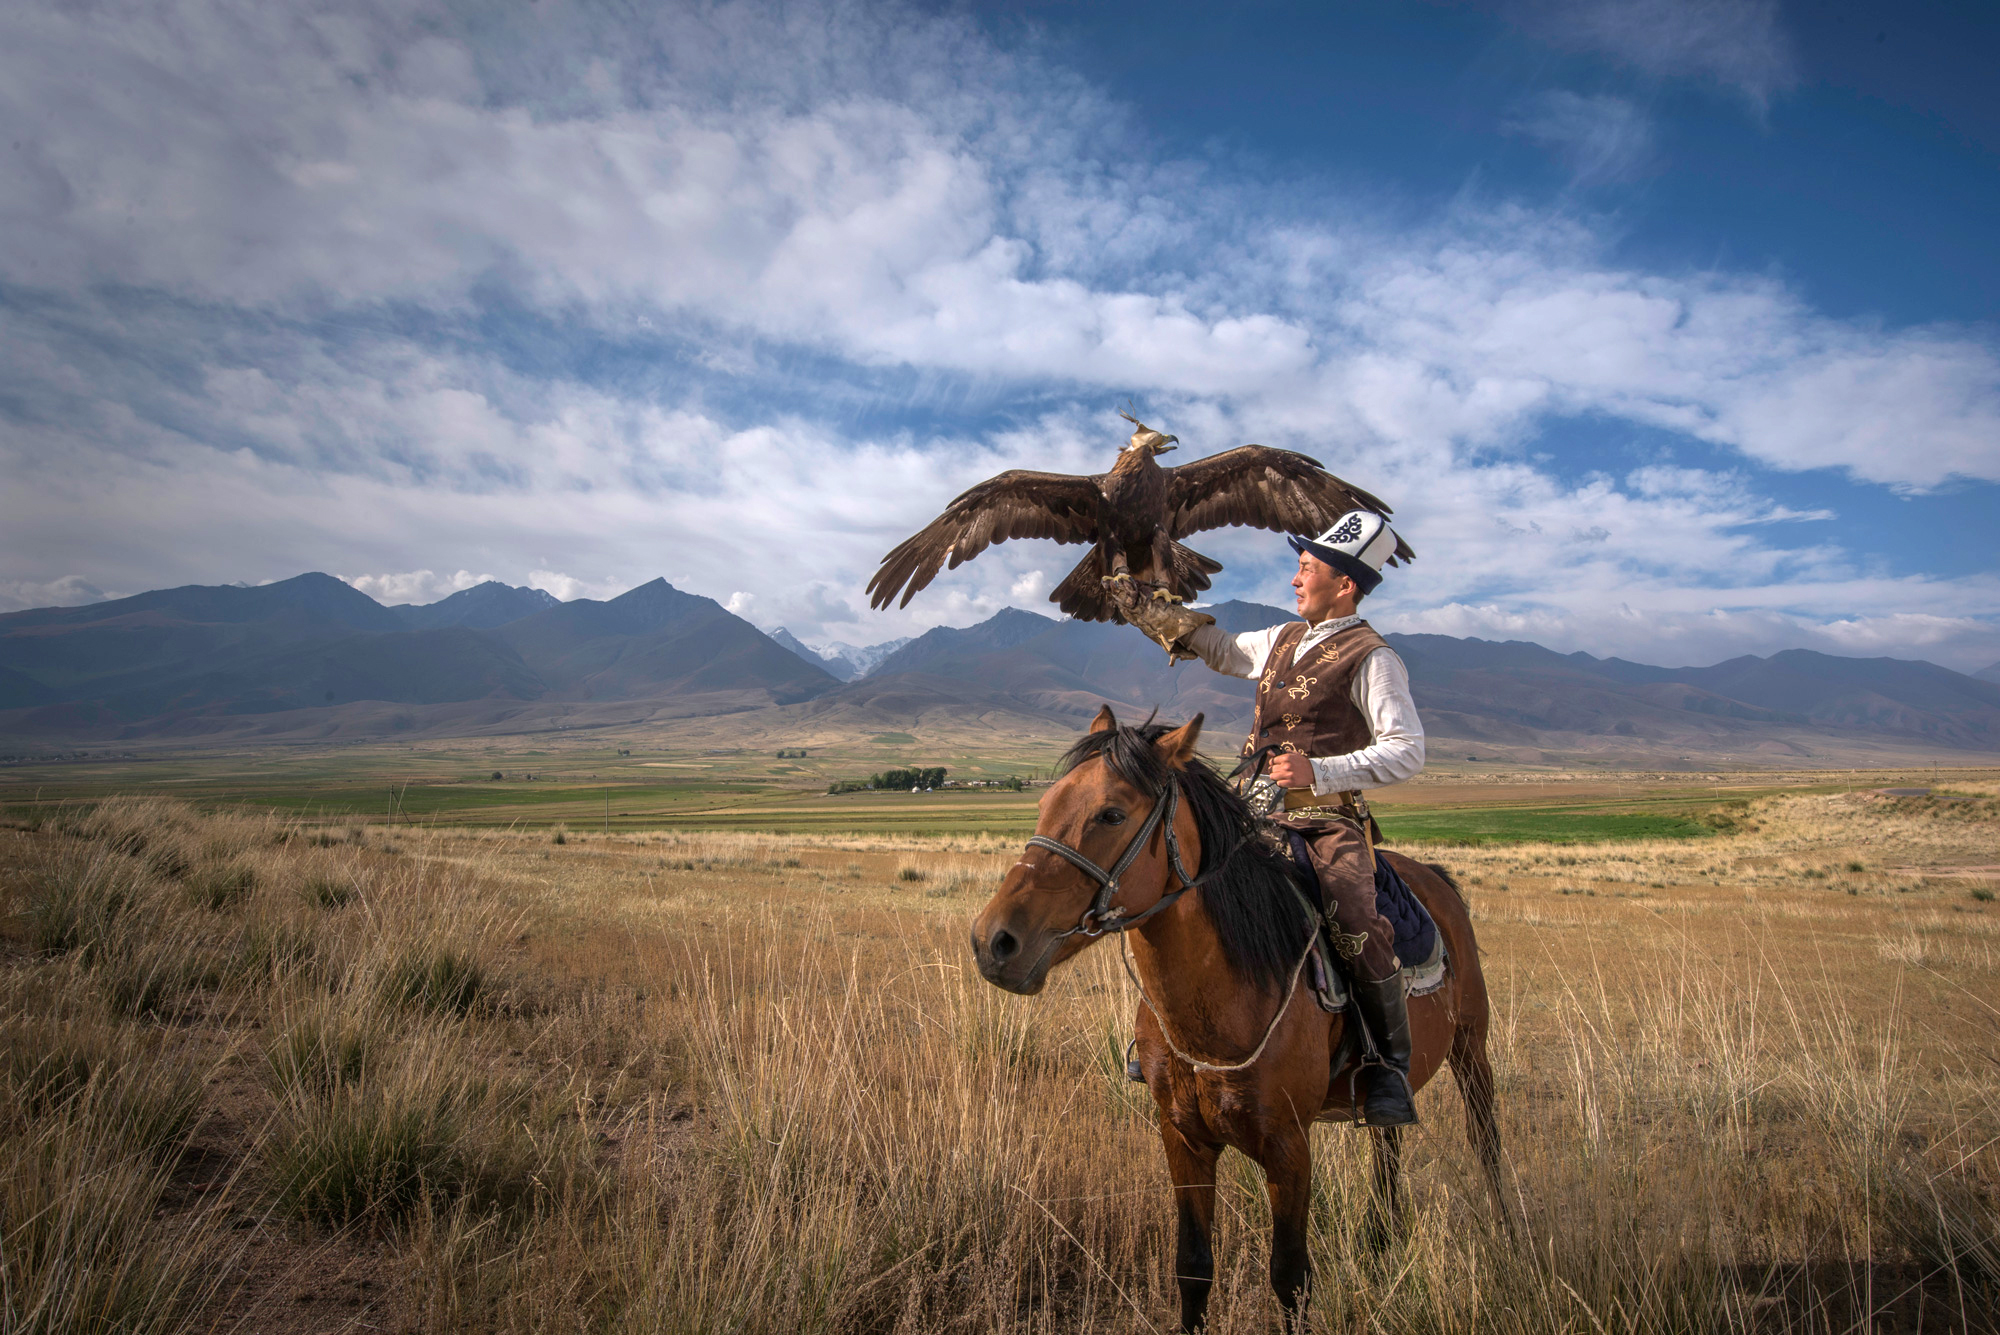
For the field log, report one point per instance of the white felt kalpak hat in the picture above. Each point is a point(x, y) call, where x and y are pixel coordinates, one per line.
point(1356, 545)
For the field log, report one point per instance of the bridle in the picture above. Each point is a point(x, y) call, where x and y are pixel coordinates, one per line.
point(1102, 916)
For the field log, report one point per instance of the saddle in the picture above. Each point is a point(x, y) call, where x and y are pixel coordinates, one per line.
point(1419, 944)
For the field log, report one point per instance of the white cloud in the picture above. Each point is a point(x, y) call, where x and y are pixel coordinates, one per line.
point(1479, 334)
point(567, 588)
point(1031, 588)
point(414, 586)
point(1679, 632)
point(893, 234)
point(794, 208)
point(63, 591)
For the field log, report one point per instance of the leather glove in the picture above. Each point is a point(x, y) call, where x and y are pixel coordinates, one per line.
point(1165, 620)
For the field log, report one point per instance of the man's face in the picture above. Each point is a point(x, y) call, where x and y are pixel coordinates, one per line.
point(1322, 591)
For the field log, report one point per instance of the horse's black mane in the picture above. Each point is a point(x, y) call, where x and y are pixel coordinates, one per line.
point(1251, 901)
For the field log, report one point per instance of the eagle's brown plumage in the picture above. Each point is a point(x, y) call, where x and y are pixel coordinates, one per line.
point(1133, 515)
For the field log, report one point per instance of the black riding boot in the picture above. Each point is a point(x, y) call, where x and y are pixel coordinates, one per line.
point(1388, 1100)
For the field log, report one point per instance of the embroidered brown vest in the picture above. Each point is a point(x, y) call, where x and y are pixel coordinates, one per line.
point(1302, 700)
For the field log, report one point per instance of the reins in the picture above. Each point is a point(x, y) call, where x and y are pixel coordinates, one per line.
point(1102, 916)
point(1284, 1004)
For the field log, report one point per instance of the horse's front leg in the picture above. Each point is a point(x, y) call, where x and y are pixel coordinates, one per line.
point(1287, 1162)
point(1191, 1166)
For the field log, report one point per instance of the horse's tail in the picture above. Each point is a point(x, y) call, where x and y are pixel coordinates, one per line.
point(1444, 874)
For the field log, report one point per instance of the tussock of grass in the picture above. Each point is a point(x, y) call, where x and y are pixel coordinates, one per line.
point(325, 1046)
point(328, 890)
point(102, 1081)
point(144, 979)
point(433, 976)
point(366, 1138)
point(79, 1248)
point(352, 1151)
point(93, 1120)
point(219, 885)
point(79, 897)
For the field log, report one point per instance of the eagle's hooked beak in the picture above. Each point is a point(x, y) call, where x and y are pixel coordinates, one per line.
point(1162, 449)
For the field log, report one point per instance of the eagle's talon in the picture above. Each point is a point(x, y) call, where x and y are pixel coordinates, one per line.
point(1168, 596)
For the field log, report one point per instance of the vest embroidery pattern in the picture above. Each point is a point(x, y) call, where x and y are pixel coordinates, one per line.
point(1306, 707)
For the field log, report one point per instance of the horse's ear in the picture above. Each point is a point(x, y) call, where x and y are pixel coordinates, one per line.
point(1104, 722)
point(1177, 747)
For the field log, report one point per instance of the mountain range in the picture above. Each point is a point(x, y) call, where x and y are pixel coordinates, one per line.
point(189, 660)
point(1511, 696)
point(312, 657)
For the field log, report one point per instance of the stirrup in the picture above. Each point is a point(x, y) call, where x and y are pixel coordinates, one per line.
point(1401, 1101)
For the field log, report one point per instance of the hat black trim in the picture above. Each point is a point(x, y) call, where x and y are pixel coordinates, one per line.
point(1365, 577)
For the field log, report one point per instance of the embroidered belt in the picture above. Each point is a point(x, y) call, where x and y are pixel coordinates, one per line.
point(1304, 801)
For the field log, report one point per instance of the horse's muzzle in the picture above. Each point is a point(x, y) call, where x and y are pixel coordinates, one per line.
point(1011, 958)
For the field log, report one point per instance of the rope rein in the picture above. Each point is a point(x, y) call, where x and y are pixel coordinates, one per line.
point(1197, 1063)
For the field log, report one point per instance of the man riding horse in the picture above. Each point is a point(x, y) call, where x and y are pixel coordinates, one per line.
point(1334, 719)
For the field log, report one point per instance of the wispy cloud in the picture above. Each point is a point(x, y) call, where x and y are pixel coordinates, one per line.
point(1741, 45)
point(1601, 138)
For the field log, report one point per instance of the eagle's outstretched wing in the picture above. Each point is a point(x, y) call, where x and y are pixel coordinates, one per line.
point(1016, 504)
point(1263, 488)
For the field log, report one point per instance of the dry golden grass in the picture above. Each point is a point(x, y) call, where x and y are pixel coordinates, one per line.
point(267, 1078)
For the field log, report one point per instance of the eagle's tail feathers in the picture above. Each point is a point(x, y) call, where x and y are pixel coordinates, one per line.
point(1081, 594)
point(1191, 571)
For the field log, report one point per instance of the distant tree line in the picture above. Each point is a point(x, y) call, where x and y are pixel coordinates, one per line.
point(903, 779)
point(792, 753)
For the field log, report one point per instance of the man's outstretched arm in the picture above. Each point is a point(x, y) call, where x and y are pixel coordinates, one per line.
point(1186, 633)
point(1233, 655)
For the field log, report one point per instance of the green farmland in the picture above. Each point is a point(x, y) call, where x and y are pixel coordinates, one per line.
point(1516, 825)
point(754, 788)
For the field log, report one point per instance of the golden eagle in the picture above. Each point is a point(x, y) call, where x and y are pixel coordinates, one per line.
point(1134, 515)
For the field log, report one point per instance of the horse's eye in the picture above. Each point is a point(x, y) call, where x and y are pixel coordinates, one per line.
point(1111, 816)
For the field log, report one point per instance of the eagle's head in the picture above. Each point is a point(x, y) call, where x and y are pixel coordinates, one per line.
point(1147, 439)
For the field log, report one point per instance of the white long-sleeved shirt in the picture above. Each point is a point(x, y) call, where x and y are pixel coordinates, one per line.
point(1380, 690)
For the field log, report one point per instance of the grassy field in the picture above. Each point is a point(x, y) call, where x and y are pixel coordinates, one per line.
point(272, 1072)
point(734, 787)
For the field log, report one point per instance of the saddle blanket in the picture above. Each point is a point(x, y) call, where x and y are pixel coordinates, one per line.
point(1419, 944)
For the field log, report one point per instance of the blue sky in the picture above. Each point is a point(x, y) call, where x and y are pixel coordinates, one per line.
point(1669, 329)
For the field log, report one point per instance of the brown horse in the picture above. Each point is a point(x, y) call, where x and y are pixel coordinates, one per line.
point(1217, 951)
